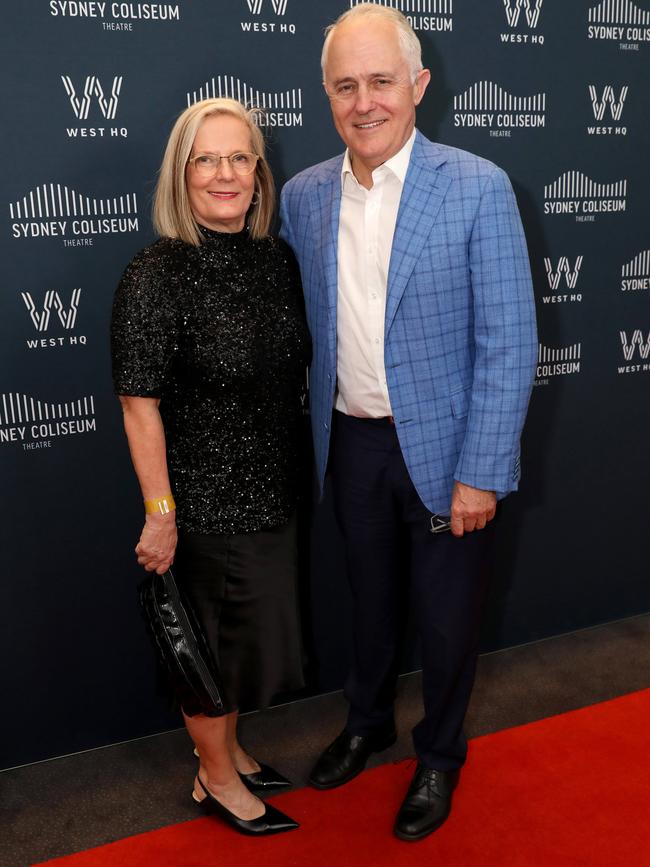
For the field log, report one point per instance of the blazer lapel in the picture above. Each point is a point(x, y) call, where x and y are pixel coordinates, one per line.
point(329, 206)
point(424, 191)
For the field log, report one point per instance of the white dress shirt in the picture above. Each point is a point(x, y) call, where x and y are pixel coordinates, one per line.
point(366, 228)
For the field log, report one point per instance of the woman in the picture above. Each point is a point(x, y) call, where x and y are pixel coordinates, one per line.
point(209, 351)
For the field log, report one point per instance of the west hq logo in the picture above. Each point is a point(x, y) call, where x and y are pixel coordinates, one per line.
point(486, 105)
point(91, 97)
point(523, 15)
point(636, 348)
point(606, 104)
point(267, 16)
point(635, 275)
point(51, 313)
point(561, 361)
point(619, 21)
point(575, 193)
point(562, 276)
point(279, 6)
point(279, 108)
point(434, 15)
point(35, 423)
point(55, 211)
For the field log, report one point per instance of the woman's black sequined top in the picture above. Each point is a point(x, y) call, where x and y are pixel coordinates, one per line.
point(218, 333)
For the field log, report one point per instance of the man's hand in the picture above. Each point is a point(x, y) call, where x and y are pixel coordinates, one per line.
point(471, 508)
point(157, 544)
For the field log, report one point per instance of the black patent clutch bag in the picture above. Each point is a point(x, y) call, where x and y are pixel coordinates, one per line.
point(181, 647)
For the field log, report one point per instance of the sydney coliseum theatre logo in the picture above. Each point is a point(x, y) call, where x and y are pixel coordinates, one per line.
point(35, 423)
point(635, 275)
point(55, 211)
point(423, 15)
point(619, 21)
point(552, 362)
point(279, 108)
point(115, 16)
point(575, 193)
point(486, 105)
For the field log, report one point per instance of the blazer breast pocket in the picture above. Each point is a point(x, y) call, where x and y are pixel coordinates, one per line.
point(460, 402)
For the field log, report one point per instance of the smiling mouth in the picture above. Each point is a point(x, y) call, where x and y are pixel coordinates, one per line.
point(370, 125)
point(222, 196)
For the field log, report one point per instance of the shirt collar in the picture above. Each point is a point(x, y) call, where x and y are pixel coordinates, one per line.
point(398, 163)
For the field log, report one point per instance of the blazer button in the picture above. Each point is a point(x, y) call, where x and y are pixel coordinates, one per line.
point(326, 426)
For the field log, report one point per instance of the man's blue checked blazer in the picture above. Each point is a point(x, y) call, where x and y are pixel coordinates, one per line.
point(460, 339)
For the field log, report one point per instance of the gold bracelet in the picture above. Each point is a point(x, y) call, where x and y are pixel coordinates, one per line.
point(162, 505)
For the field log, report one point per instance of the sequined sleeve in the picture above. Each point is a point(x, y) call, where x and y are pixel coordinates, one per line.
point(144, 330)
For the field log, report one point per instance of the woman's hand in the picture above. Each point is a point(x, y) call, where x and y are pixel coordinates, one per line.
point(157, 544)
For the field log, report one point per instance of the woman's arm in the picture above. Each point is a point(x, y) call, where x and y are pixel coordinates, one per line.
point(146, 437)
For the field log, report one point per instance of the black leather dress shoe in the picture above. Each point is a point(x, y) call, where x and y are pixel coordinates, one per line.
point(272, 821)
point(344, 759)
point(427, 803)
point(264, 780)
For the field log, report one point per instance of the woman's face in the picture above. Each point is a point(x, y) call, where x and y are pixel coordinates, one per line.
point(220, 201)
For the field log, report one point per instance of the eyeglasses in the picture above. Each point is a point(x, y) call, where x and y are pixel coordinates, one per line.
point(241, 163)
point(440, 524)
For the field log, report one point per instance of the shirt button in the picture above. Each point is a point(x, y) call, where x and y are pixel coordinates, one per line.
point(376, 340)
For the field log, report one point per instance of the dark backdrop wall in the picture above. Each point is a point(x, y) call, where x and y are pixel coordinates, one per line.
point(554, 92)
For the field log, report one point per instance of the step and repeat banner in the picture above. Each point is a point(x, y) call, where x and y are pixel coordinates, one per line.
point(554, 92)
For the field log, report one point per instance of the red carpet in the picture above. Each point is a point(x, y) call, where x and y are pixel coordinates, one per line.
point(569, 791)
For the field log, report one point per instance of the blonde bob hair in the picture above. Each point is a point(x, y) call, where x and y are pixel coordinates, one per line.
point(172, 214)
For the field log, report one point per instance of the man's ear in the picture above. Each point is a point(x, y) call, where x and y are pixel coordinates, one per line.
point(421, 84)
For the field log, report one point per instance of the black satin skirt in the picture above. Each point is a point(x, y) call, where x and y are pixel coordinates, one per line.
point(242, 588)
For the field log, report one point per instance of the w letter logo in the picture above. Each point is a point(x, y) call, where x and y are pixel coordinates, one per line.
point(279, 6)
point(563, 267)
point(532, 9)
point(599, 105)
point(41, 318)
point(635, 340)
point(93, 87)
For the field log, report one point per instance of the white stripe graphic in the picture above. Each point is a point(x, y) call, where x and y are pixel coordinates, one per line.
point(638, 267)
point(575, 185)
point(229, 86)
point(18, 408)
point(618, 12)
point(44, 203)
point(567, 353)
point(488, 96)
point(432, 7)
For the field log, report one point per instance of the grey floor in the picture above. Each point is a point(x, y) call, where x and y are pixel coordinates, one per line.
point(66, 805)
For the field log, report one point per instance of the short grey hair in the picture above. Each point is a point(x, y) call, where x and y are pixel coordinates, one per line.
point(408, 40)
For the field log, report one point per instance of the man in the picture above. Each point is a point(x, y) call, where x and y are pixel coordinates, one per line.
point(419, 301)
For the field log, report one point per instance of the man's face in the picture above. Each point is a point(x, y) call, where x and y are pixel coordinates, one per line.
point(372, 95)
